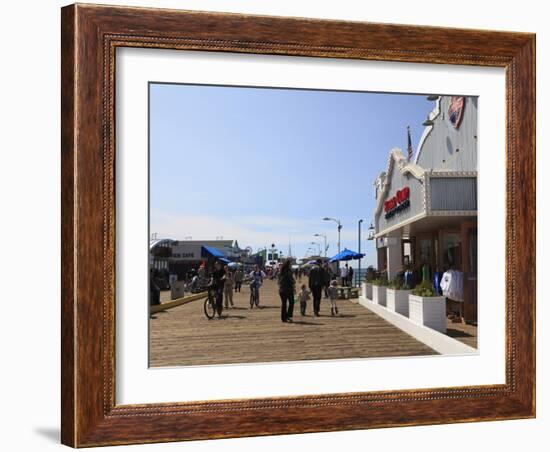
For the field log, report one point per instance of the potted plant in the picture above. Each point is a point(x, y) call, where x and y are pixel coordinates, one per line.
point(367, 285)
point(427, 308)
point(397, 297)
point(379, 291)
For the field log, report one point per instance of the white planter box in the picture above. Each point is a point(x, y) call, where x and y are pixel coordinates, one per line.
point(428, 311)
point(366, 290)
point(379, 295)
point(398, 301)
point(369, 290)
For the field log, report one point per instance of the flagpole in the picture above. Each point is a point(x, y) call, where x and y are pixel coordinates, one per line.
point(409, 145)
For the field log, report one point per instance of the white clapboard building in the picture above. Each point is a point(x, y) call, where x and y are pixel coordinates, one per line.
point(426, 206)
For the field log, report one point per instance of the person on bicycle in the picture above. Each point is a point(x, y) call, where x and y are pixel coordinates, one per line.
point(257, 277)
point(217, 283)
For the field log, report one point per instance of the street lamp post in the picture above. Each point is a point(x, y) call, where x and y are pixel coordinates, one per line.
point(318, 247)
point(324, 237)
point(339, 228)
point(359, 240)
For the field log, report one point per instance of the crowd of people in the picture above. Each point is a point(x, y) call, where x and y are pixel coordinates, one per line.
point(346, 274)
point(224, 281)
point(319, 277)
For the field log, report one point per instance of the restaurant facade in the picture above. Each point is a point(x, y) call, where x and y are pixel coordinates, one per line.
point(426, 206)
point(178, 257)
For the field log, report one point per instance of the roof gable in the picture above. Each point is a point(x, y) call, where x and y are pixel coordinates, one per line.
point(397, 162)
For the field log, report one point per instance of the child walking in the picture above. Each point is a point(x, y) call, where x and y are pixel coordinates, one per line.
point(303, 296)
point(333, 295)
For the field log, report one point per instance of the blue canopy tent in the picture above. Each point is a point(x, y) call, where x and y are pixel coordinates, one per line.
point(211, 252)
point(346, 255)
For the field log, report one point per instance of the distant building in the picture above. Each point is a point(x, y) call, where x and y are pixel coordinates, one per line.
point(265, 257)
point(160, 252)
point(180, 256)
point(191, 250)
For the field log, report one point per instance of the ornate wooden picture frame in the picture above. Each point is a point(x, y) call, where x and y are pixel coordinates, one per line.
point(90, 37)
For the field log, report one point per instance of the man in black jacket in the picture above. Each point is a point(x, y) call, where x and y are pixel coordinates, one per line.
point(316, 282)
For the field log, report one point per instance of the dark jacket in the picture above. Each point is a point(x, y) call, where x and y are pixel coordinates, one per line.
point(326, 277)
point(218, 278)
point(316, 277)
point(154, 292)
point(286, 282)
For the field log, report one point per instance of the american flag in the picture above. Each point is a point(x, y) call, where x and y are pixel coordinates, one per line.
point(456, 110)
point(409, 145)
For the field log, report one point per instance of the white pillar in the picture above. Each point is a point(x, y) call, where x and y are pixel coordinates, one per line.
point(394, 257)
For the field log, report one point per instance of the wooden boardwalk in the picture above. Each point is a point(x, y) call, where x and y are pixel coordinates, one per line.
point(467, 334)
point(184, 336)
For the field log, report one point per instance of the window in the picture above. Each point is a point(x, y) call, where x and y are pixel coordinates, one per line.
point(452, 251)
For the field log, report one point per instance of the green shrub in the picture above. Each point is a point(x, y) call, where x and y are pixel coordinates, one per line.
point(424, 289)
point(406, 286)
point(379, 282)
point(396, 284)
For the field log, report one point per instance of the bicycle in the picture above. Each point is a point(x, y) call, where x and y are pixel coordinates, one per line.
point(210, 303)
point(254, 295)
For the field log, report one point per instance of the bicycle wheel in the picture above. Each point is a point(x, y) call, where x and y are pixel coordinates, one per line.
point(209, 308)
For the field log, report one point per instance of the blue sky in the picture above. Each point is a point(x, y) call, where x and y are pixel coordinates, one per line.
point(263, 165)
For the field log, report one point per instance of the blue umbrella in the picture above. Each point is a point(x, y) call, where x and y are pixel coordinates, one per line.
point(210, 251)
point(346, 255)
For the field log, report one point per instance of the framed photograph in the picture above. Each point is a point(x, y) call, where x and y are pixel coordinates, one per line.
point(282, 225)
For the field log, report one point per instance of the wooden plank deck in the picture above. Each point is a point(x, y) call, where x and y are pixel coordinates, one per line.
point(184, 336)
point(465, 333)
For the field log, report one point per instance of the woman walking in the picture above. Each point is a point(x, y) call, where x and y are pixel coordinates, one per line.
point(228, 287)
point(286, 291)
